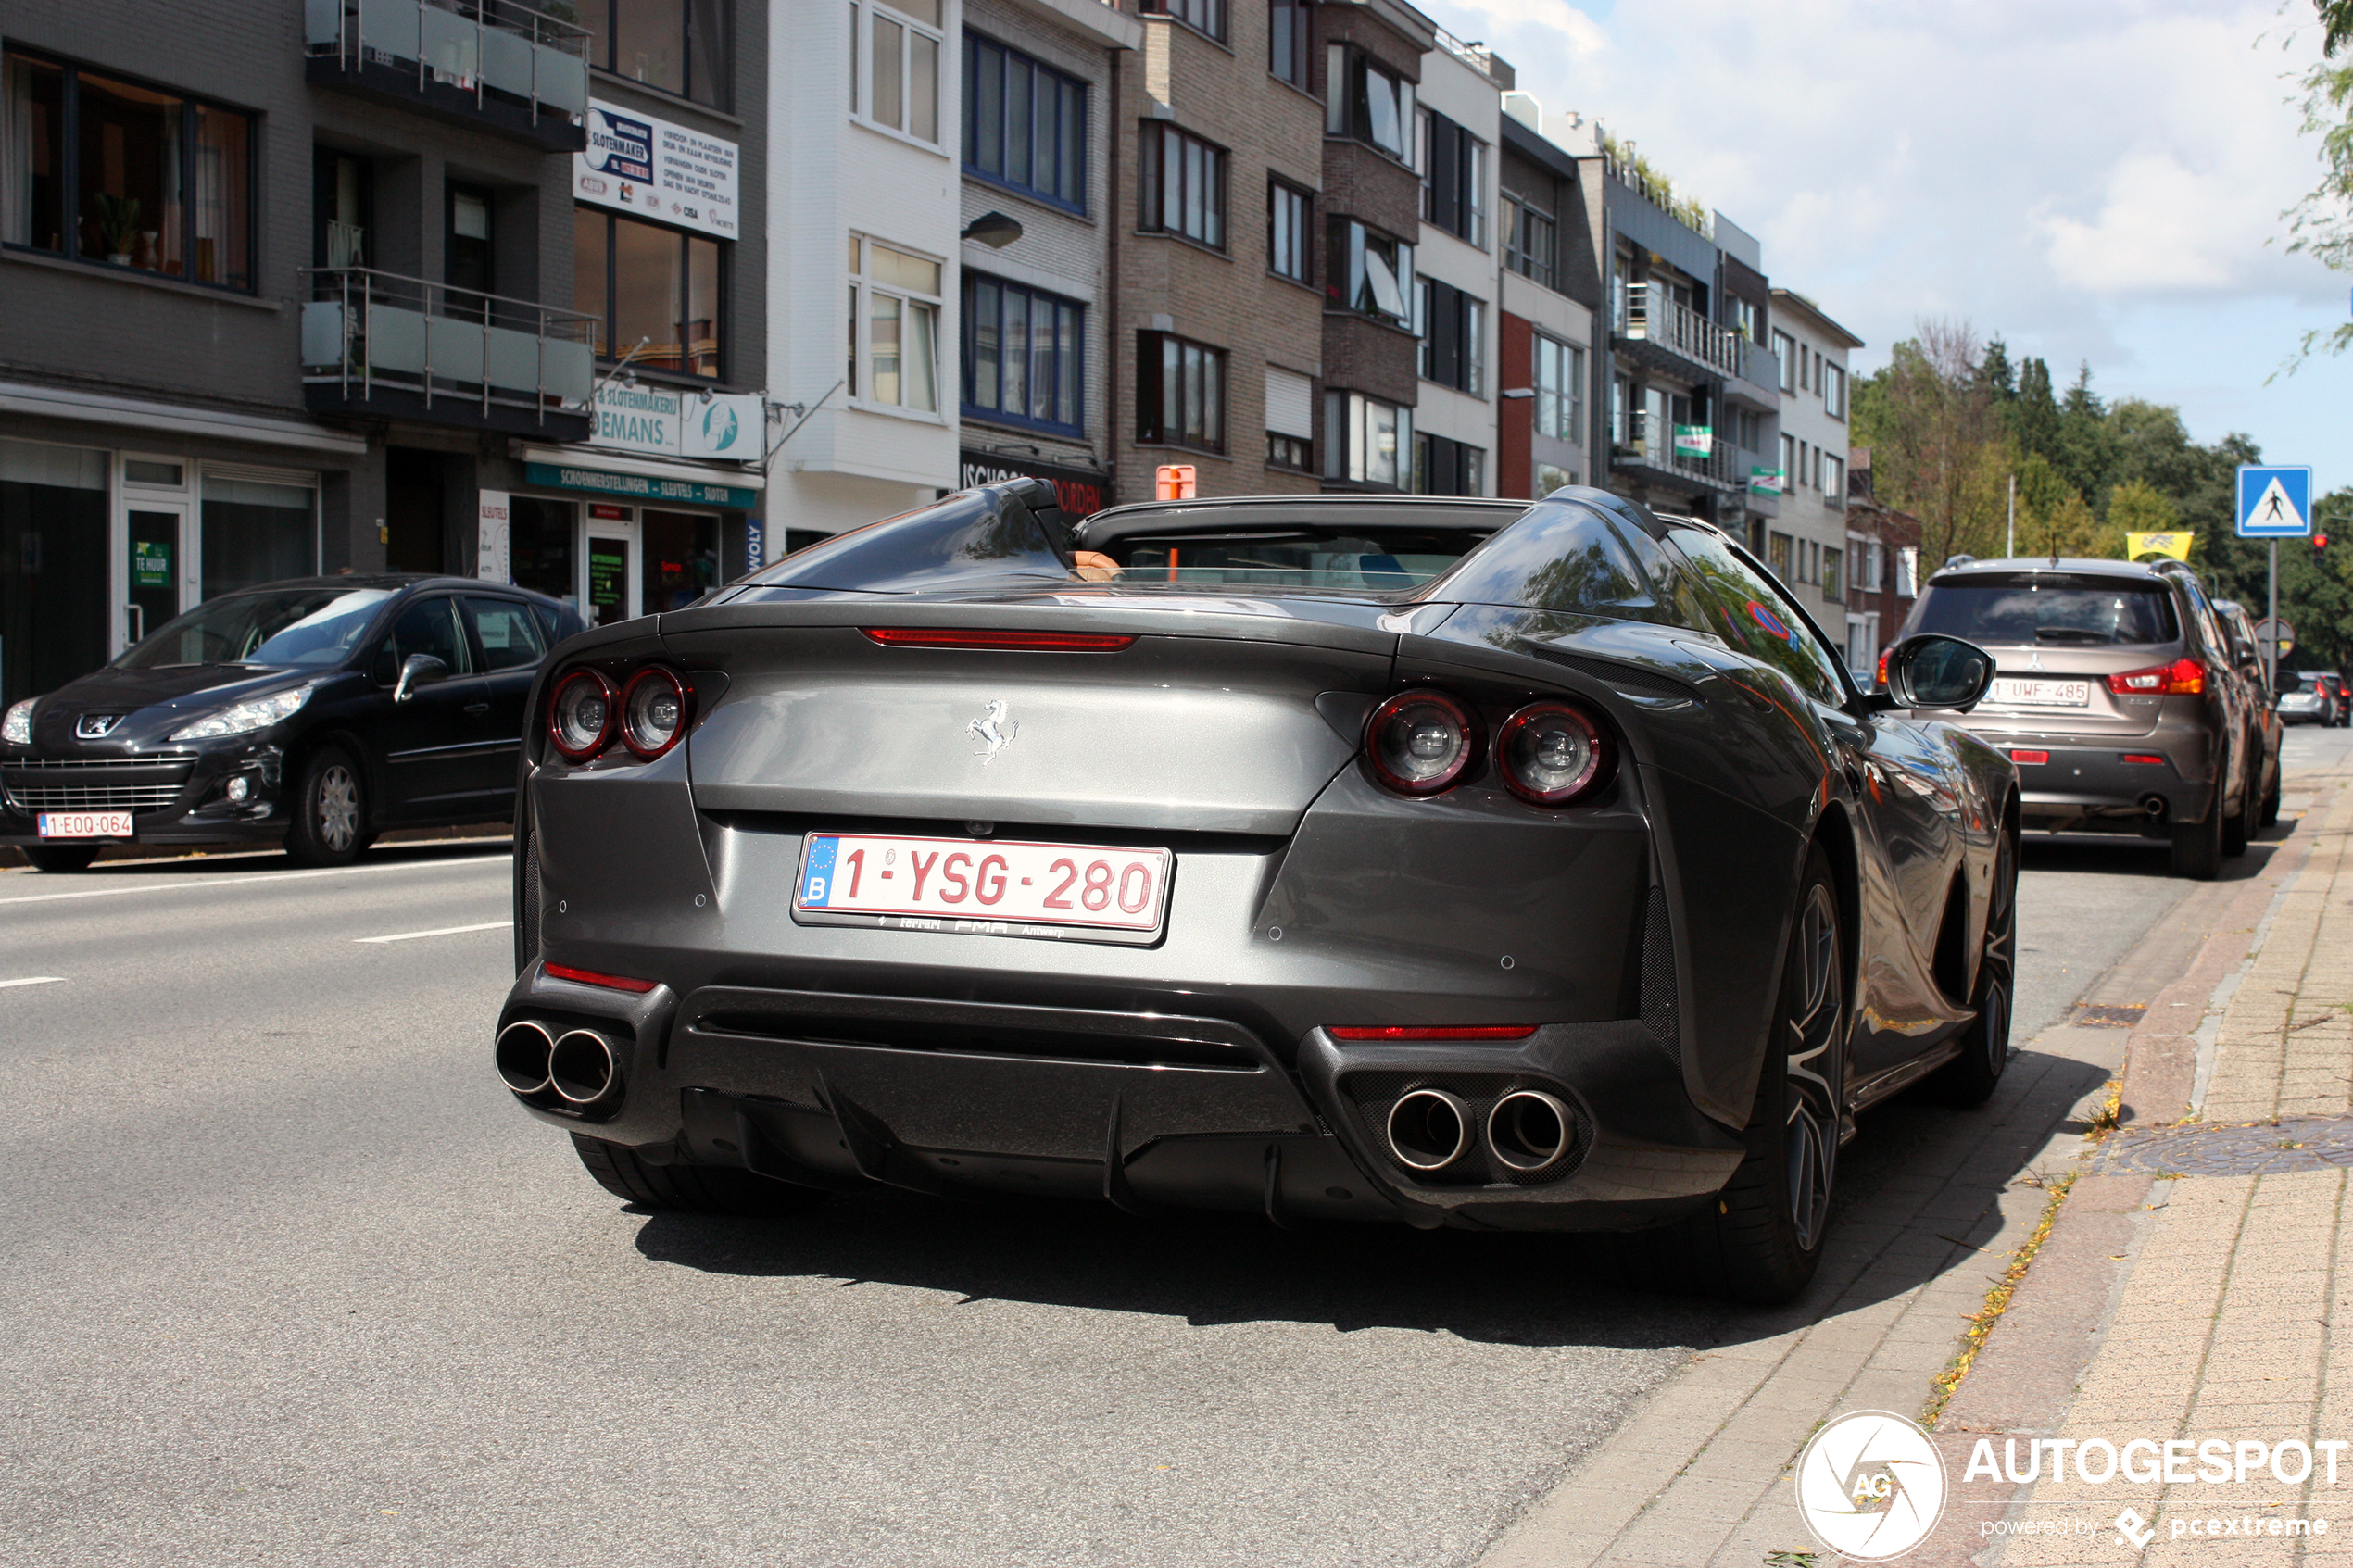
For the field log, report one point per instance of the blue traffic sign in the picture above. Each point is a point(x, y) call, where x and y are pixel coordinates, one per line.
point(2274, 503)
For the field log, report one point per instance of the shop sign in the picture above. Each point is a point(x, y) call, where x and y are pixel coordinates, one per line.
point(1767, 482)
point(150, 563)
point(636, 486)
point(493, 512)
point(672, 421)
point(1082, 494)
point(667, 172)
point(1694, 441)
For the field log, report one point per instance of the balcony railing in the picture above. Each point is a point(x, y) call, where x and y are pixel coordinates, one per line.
point(497, 63)
point(1647, 313)
point(1656, 451)
point(378, 344)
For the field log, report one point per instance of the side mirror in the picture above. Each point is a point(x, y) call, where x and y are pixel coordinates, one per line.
point(1934, 670)
point(417, 670)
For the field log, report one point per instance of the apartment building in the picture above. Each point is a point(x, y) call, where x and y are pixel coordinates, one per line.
point(1216, 173)
point(1748, 430)
point(1457, 153)
point(1035, 284)
point(1549, 291)
point(1882, 569)
point(1805, 542)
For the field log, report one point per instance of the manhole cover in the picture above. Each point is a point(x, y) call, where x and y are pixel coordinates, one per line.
point(2125, 1015)
point(2295, 1143)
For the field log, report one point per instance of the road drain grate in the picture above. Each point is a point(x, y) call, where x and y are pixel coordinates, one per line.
point(2260, 1148)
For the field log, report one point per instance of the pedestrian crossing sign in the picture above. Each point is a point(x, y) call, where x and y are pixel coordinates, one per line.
point(2274, 503)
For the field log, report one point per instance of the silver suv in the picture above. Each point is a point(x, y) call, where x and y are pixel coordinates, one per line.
point(2120, 697)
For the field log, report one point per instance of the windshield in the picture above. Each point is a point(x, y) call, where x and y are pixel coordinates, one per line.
point(1346, 558)
point(285, 629)
point(2049, 610)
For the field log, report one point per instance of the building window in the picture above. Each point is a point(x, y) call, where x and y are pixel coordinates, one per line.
point(1790, 476)
point(105, 171)
point(1744, 318)
point(1621, 402)
point(1834, 391)
point(1368, 102)
point(1453, 339)
point(1833, 576)
point(651, 285)
point(1527, 240)
point(1184, 185)
point(1367, 440)
point(1287, 229)
point(1202, 16)
point(1549, 478)
point(894, 327)
point(1777, 556)
point(678, 45)
point(1454, 169)
point(1833, 480)
point(900, 89)
point(1290, 420)
point(1025, 355)
point(1287, 48)
point(1025, 123)
point(1370, 272)
point(1560, 390)
point(1446, 467)
point(1785, 351)
point(1180, 392)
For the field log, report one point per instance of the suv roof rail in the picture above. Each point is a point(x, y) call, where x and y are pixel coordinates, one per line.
point(1952, 562)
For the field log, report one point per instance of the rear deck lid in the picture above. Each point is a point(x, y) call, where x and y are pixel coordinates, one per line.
point(2057, 638)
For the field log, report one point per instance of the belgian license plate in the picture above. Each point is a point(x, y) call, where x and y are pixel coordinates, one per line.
point(984, 886)
point(83, 825)
point(2017, 692)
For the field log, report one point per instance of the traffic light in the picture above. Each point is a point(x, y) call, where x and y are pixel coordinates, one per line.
point(2319, 543)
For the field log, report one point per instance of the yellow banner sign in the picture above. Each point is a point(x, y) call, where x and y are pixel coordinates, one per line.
point(2174, 545)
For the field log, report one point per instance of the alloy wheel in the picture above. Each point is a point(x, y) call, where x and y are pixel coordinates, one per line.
point(1813, 1075)
point(2000, 961)
point(336, 803)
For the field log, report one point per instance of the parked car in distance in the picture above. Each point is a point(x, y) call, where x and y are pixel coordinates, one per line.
point(318, 712)
point(2120, 697)
point(2240, 628)
point(2309, 696)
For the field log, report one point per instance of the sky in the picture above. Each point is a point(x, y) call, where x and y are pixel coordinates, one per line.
point(2098, 181)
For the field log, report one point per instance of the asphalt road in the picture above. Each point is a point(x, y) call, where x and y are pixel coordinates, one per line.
point(286, 1279)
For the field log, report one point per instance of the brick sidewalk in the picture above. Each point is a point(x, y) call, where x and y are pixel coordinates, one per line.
point(2222, 1296)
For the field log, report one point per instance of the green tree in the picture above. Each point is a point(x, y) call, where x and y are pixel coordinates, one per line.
point(2034, 420)
point(2088, 452)
point(1929, 422)
point(2138, 507)
point(2321, 224)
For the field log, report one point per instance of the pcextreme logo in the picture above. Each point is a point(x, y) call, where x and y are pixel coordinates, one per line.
point(1870, 1484)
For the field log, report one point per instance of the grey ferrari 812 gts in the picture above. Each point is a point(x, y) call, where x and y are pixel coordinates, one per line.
point(1457, 862)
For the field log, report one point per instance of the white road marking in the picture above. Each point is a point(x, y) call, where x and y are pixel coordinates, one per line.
point(444, 931)
point(36, 980)
point(503, 863)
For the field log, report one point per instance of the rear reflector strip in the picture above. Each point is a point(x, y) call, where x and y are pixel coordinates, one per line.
point(1439, 1031)
point(592, 977)
point(2032, 759)
point(1014, 642)
point(2151, 757)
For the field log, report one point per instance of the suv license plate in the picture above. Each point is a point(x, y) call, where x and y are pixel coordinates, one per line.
point(2014, 691)
point(83, 825)
point(983, 886)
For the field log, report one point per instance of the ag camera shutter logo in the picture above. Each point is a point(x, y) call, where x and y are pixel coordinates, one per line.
point(1870, 1484)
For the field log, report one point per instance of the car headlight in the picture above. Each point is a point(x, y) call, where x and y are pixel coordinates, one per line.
point(254, 713)
point(16, 728)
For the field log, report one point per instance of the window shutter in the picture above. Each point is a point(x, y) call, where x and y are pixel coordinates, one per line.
point(1291, 404)
point(1445, 181)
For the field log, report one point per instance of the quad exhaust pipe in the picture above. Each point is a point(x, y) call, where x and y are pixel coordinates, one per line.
point(580, 1067)
point(1530, 1131)
point(1429, 1129)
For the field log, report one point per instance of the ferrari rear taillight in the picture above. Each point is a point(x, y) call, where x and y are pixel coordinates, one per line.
point(653, 711)
point(2184, 677)
point(1550, 753)
point(997, 640)
point(1419, 741)
point(580, 715)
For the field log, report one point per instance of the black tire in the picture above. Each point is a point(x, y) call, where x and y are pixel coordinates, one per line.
point(2271, 798)
point(696, 1189)
point(61, 857)
point(1971, 1078)
point(330, 826)
point(1762, 1239)
point(2197, 847)
point(2243, 824)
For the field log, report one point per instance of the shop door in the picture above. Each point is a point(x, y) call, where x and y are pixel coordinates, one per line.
point(612, 590)
point(682, 558)
point(155, 536)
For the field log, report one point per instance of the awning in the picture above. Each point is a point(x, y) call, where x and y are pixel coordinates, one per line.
point(176, 418)
point(591, 471)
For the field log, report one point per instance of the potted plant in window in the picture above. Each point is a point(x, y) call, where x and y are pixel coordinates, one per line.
point(117, 225)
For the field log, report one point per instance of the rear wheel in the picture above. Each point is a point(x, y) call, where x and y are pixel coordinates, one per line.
point(696, 1189)
point(2271, 798)
point(2197, 847)
point(330, 825)
point(61, 857)
point(1762, 1238)
point(2243, 824)
point(1969, 1079)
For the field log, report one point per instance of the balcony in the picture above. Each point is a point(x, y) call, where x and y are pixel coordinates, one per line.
point(1757, 381)
point(1650, 458)
point(1654, 330)
point(377, 345)
point(496, 65)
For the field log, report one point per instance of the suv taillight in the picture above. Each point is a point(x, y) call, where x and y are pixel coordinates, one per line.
point(2184, 677)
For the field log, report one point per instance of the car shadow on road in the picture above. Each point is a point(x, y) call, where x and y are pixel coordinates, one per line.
point(2118, 855)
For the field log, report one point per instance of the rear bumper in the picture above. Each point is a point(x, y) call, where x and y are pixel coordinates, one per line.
point(2092, 787)
point(1142, 1110)
point(197, 811)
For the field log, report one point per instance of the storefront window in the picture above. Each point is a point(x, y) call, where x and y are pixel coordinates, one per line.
point(257, 532)
point(682, 560)
point(53, 596)
point(650, 284)
point(539, 546)
point(678, 45)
